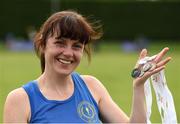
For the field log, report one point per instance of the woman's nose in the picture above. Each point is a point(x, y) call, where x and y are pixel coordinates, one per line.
point(68, 52)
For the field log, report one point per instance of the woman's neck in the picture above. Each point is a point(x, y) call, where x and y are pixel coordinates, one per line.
point(57, 87)
point(53, 79)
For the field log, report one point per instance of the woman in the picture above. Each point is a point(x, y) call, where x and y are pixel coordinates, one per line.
point(62, 95)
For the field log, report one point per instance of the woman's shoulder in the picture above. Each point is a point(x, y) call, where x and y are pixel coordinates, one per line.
point(95, 85)
point(91, 81)
point(17, 96)
point(90, 78)
point(16, 103)
point(16, 92)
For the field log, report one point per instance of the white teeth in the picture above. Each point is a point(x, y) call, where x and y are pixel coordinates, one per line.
point(64, 61)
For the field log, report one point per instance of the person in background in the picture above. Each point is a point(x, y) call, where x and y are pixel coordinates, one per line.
point(61, 95)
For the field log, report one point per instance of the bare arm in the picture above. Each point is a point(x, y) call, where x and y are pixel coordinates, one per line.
point(138, 113)
point(16, 108)
point(109, 110)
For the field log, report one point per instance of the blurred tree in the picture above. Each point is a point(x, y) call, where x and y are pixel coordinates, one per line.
point(121, 19)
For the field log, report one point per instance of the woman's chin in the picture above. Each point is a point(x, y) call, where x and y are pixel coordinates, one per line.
point(64, 72)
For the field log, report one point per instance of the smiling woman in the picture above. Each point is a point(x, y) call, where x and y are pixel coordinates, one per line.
point(62, 56)
point(60, 95)
point(69, 25)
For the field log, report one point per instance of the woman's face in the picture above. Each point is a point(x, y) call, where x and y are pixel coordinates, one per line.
point(63, 55)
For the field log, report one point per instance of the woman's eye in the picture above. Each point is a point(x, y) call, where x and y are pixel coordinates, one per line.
point(78, 46)
point(59, 43)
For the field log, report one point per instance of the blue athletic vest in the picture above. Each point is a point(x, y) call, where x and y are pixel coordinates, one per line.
point(79, 108)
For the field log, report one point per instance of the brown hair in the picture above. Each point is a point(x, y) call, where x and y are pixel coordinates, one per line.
point(67, 24)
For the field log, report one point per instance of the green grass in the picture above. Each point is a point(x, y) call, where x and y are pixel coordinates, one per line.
point(110, 65)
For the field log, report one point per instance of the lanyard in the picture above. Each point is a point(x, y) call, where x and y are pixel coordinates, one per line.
point(163, 97)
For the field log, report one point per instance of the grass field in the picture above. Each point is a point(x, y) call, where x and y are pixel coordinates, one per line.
point(110, 65)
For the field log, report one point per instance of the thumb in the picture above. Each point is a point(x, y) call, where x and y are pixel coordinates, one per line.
point(143, 54)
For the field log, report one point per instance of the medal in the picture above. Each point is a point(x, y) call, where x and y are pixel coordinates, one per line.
point(163, 95)
point(139, 72)
point(147, 67)
point(135, 73)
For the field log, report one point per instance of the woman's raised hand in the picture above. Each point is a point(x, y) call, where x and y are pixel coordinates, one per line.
point(159, 65)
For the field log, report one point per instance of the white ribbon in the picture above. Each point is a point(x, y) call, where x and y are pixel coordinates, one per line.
point(163, 97)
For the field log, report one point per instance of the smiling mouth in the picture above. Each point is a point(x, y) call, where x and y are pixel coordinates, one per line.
point(63, 61)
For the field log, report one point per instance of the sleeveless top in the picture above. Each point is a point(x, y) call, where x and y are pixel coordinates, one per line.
point(79, 108)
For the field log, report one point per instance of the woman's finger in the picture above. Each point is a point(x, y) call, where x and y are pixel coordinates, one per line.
point(159, 67)
point(161, 54)
point(149, 73)
point(163, 62)
point(143, 54)
point(157, 70)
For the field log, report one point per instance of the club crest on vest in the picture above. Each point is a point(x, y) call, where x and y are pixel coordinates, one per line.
point(87, 112)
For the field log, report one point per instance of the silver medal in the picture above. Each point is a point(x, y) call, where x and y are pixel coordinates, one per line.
point(142, 73)
point(165, 103)
point(135, 73)
point(153, 66)
point(147, 67)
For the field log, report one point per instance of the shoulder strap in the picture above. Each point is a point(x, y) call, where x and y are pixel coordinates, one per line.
point(83, 88)
point(30, 89)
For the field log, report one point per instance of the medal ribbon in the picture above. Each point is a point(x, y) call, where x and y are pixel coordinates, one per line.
point(164, 98)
